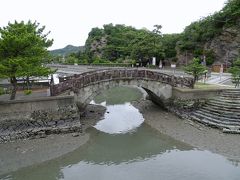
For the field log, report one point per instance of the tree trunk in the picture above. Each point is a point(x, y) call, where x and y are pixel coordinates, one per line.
point(14, 88)
point(28, 82)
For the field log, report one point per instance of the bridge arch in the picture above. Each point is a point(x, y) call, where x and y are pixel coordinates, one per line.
point(87, 85)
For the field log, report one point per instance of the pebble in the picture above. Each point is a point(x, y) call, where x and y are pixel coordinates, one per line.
point(75, 134)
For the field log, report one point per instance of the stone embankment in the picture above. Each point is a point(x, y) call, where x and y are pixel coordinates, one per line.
point(222, 112)
point(39, 117)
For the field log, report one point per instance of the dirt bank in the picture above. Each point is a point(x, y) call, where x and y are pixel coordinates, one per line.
point(192, 133)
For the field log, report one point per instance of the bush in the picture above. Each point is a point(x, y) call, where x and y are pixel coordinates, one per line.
point(27, 92)
point(151, 66)
point(97, 60)
point(2, 91)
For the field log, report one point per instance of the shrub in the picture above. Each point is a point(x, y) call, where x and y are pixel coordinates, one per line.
point(2, 91)
point(27, 92)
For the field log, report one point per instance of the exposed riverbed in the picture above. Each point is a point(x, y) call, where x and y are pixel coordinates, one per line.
point(127, 143)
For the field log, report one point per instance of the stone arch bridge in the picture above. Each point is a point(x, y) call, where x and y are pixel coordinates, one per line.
point(87, 85)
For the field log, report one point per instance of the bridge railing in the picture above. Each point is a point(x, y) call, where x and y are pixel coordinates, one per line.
point(92, 77)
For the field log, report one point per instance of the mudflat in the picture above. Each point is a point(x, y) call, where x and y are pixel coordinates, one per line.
point(22, 153)
point(190, 132)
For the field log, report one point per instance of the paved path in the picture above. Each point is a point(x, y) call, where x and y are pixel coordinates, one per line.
point(20, 95)
point(67, 70)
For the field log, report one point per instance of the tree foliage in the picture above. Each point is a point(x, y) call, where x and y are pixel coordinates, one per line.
point(235, 71)
point(124, 42)
point(195, 69)
point(23, 49)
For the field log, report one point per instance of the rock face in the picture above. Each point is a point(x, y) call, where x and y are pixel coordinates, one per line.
point(226, 46)
point(97, 46)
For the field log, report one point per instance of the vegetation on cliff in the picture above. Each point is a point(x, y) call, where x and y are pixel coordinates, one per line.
point(198, 33)
point(126, 44)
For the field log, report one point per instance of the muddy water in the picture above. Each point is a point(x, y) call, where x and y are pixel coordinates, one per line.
point(123, 147)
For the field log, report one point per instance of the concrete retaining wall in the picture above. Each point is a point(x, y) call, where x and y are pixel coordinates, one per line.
point(24, 118)
point(195, 93)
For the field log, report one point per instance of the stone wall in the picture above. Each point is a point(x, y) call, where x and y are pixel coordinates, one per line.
point(38, 117)
point(185, 101)
point(195, 93)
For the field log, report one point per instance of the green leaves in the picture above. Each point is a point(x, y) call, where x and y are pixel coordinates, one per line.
point(195, 69)
point(199, 32)
point(121, 42)
point(23, 49)
point(235, 71)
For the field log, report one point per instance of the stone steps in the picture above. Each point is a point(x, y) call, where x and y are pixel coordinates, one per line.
point(225, 99)
point(222, 112)
point(226, 106)
point(220, 102)
point(213, 117)
point(231, 96)
point(226, 114)
point(224, 127)
point(220, 109)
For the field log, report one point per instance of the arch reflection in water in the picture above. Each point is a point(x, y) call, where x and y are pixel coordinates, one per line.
point(120, 118)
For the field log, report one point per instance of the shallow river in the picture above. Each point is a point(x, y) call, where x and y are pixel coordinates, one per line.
point(123, 147)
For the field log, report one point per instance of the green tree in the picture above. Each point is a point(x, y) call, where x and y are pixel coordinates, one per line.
point(23, 49)
point(70, 60)
point(235, 71)
point(195, 69)
point(146, 45)
point(169, 44)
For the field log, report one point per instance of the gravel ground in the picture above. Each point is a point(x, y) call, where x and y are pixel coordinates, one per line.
point(36, 93)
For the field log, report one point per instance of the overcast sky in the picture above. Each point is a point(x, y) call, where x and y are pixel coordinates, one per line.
point(71, 20)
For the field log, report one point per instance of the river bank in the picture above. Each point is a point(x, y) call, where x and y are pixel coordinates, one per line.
point(190, 132)
point(26, 152)
point(22, 153)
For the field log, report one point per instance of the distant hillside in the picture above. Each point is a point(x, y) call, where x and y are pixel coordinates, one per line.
point(215, 39)
point(67, 50)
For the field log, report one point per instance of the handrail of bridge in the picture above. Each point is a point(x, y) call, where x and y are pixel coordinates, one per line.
point(78, 81)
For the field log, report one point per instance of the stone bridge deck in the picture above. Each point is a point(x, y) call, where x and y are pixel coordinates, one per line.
point(89, 78)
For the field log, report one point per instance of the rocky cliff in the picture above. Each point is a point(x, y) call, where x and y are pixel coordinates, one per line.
point(226, 46)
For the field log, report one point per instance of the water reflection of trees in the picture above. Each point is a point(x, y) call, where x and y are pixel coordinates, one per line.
point(234, 162)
